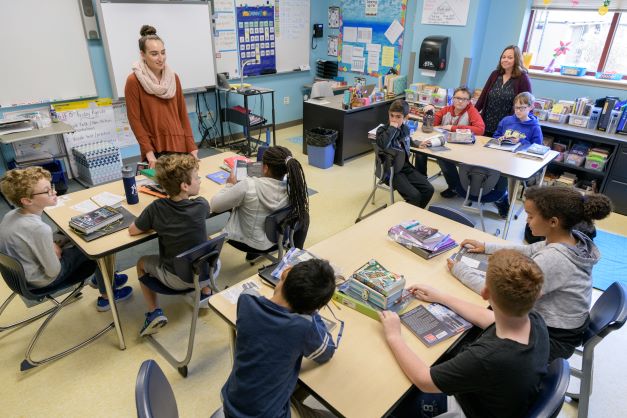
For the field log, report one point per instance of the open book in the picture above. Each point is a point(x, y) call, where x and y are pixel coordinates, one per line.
point(503, 143)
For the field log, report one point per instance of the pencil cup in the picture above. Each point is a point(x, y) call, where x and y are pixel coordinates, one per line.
point(130, 187)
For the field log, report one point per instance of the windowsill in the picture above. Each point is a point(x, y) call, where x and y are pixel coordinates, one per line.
point(585, 80)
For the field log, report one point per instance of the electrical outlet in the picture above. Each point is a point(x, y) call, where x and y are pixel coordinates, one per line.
point(286, 100)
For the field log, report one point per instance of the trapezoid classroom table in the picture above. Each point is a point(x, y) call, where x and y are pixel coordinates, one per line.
point(363, 379)
point(352, 124)
point(515, 167)
point(103, 250)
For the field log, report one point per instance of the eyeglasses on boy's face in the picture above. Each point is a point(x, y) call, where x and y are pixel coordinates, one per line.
point(460, 99)
point(519, 108)
point(50, 191)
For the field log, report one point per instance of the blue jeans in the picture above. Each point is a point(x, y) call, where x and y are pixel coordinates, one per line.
point(75, 266)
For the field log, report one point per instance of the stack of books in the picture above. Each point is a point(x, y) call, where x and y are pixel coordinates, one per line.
point(535, 151)
point(95, 220)
point(423, 240)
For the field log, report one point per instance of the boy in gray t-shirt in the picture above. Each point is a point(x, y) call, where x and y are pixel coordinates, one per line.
point(180, 223)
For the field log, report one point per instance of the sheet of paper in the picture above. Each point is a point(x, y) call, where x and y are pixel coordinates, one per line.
point(394, 31)
point(107, 199)
point(364, 35)
point(373, 47)
point(372, 7)
point(387, 56)
point(428, 73)
point(347, 53)
point(373, 61)
point(358, 64)
point(350, 34)
point(358, 51)
point(445, 12)
point(85, 206)
point(232, 293)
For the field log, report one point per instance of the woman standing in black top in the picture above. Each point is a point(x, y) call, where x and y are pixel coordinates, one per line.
point(497, 97)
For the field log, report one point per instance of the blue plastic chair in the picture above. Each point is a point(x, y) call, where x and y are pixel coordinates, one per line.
point(552, 391)
point(452, 214)
point(154, 397)
point(607, 315)
point(477, 185)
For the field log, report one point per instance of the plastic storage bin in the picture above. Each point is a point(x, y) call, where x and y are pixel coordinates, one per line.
point(594, 164)
point(59, 178)
point(557, 117)
point(411, 96)
point(571, 70)
point(321, 157)
point(578, 120)
point(424, 98)
point(541, 114)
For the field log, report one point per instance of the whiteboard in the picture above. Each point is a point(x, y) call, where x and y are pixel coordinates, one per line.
point(185, 28)
point(44, 53)
point(293, 38)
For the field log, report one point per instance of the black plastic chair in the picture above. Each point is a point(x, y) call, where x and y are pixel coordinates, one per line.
point(452, 214)
point(607, 315)
point(154, 397)
point(192, 266)
point(14, 276)
point(552, 391)
point(477, 185)
point(383, 179)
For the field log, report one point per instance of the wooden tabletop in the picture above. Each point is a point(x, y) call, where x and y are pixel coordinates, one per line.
point(117, 241)
point(363, 379)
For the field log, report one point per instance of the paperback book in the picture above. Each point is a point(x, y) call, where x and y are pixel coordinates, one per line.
point(503, 143)
point(219, 177)
point(428, 247)
point(535, 151)
point(434, 323)
point(377, 277)
point(95, 220)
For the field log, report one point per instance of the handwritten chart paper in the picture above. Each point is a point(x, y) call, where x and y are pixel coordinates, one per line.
point(445, 12)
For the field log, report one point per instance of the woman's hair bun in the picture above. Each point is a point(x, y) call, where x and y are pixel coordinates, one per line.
point(147, 30)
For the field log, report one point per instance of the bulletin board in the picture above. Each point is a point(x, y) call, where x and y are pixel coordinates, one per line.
point(283, 47)
point(371, 35)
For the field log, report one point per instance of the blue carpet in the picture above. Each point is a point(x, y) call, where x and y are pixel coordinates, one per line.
point(613, 264)
point(296, 140)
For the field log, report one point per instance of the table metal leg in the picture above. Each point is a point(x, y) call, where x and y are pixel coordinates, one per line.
point(107, 268)
point(512, 203)
point(542, 176)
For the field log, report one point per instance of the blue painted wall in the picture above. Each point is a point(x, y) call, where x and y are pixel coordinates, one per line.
point(492, 24)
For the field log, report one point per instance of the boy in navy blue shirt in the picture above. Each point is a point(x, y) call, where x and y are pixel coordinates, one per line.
point(273, 335)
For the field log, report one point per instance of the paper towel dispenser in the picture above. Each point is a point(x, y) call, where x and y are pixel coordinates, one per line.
point(434, 53)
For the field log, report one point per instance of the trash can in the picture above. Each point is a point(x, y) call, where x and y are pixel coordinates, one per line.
point(321, 146)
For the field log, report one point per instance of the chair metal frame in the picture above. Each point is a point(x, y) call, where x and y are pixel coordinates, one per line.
point(154, 397)
point(607, 315)
point(383, 179)
point(15, 277)
point(194, 265)
point(552, 392)
point(478, 184)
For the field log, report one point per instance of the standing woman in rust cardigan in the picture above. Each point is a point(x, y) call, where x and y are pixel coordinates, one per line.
point(497, 97)
point(155, 103)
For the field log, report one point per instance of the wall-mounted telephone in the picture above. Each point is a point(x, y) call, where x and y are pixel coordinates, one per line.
point(317, 30)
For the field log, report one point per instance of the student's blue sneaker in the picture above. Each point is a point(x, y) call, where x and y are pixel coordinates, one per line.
point(154, 320)
point(120, 295)
point(119, 280)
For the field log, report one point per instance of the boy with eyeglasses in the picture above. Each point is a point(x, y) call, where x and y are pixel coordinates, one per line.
point(521, 127)
point(179, 221)
point(24, 236)
point(462, 114)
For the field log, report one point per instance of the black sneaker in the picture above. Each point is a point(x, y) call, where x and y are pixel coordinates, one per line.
point(503, 207)
point(252, 257)
point(448, 193)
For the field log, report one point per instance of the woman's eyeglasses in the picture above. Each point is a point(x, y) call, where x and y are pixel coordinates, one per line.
point(49, 192)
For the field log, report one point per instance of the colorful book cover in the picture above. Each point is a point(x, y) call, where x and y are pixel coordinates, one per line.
point(219, 177)
point(230, 162)
point(377, 277)
point(434, 323)
point(95, 220)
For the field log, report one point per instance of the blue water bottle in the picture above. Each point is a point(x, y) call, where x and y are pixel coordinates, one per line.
point(130, 187)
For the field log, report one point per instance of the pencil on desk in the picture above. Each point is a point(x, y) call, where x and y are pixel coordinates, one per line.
point(337, 305)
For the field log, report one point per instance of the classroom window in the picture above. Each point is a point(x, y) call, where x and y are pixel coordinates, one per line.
point(598, 43)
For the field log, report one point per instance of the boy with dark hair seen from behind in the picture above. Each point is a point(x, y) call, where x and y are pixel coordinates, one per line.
point(394, 137)
point(499, 374)
point(273, 335)
point(180, 224)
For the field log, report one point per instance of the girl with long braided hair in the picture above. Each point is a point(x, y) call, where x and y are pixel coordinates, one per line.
point(254, 198)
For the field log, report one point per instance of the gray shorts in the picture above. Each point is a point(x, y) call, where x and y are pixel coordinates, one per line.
point(153, 266)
